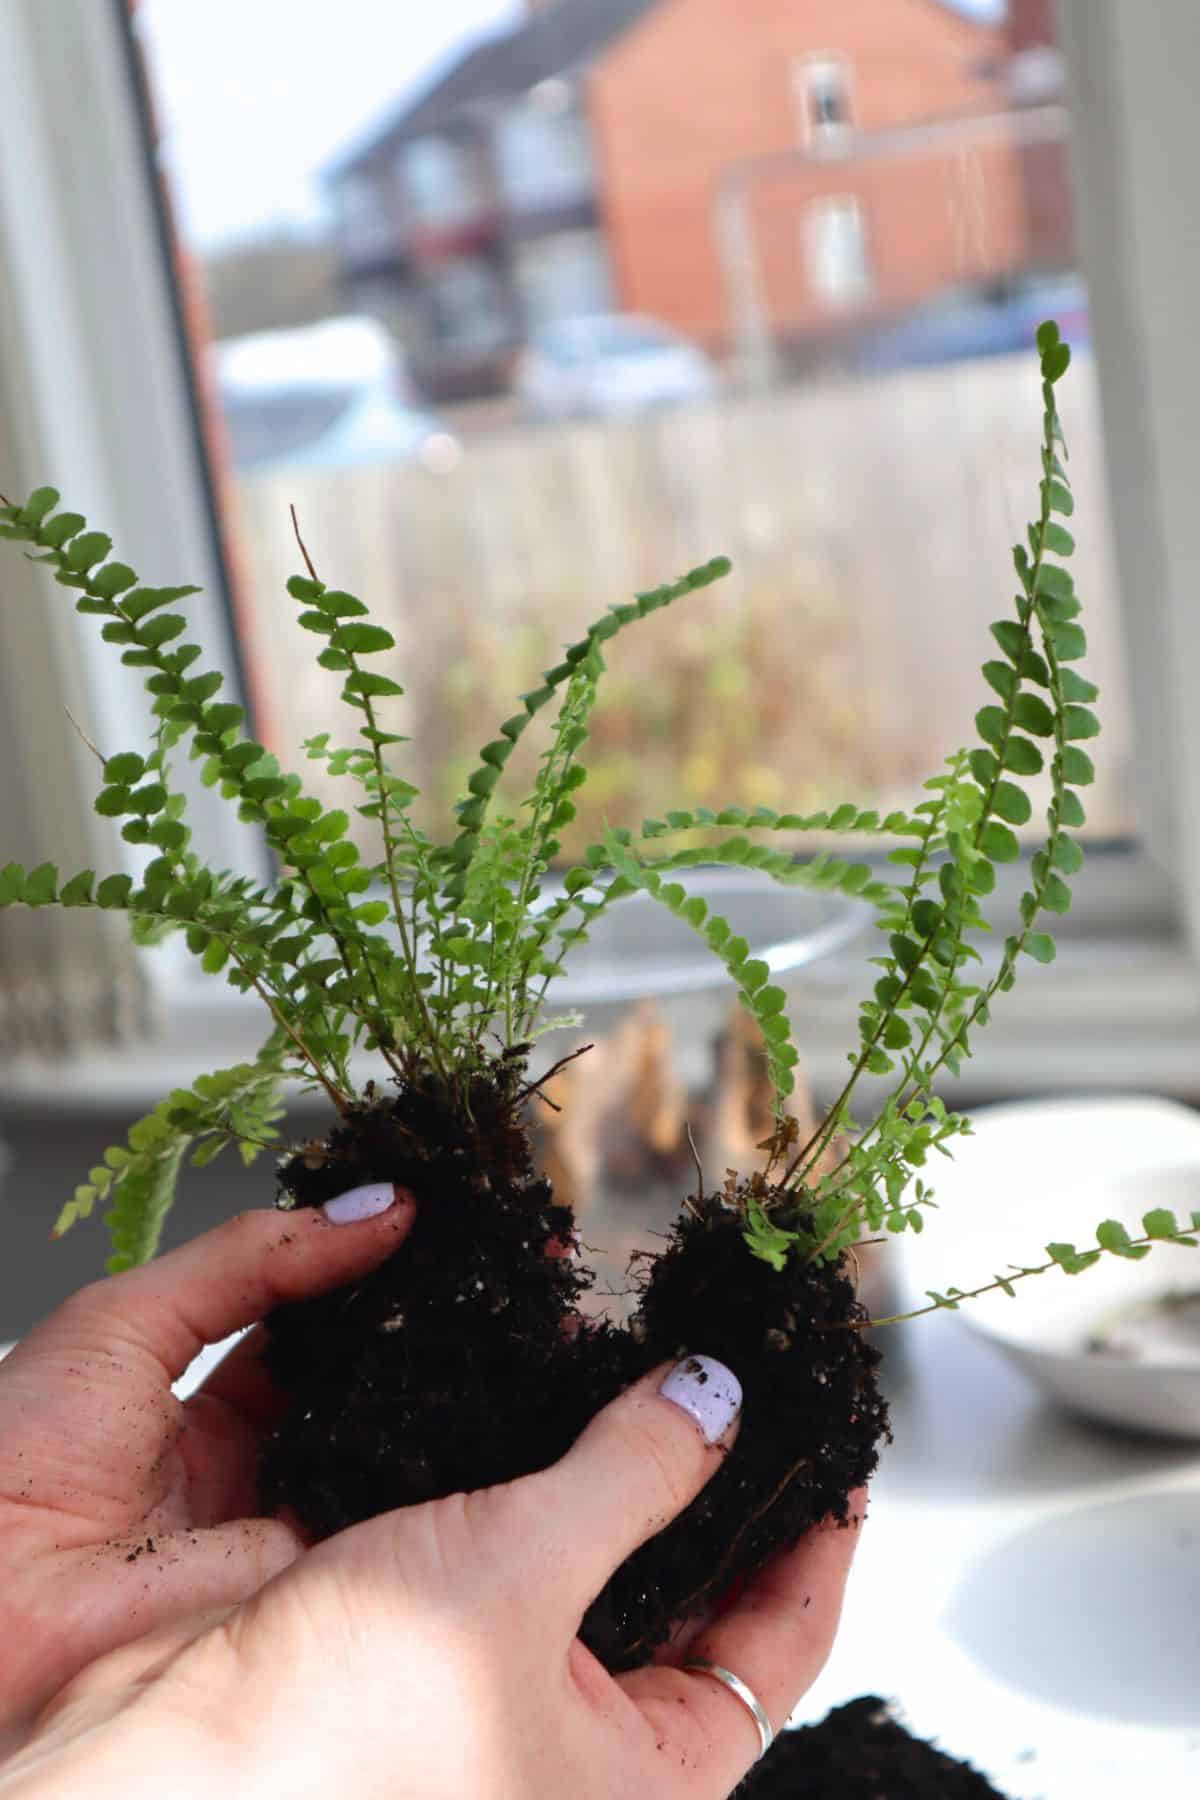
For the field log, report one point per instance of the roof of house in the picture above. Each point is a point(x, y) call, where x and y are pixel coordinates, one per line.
point(563, 37)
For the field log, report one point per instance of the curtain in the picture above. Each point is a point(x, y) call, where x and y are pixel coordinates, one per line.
point(69, 978)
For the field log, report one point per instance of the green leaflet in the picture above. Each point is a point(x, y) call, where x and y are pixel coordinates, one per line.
point(141, 1201)
point(769, 1242)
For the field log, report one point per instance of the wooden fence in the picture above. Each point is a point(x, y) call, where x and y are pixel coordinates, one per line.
point(870, 526)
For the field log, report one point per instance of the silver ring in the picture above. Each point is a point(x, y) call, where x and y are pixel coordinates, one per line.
point(735, 1684)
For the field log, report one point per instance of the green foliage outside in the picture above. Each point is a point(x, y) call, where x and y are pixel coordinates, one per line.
point(438, 955)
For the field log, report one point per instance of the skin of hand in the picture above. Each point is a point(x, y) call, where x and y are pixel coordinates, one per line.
point(430, 1652)
point(122, 1508)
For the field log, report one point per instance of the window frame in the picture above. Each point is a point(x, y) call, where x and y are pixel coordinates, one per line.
point(95, 364)
point(96, 360)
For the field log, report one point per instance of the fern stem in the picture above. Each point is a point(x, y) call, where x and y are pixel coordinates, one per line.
point(808, 1157)
point(1012, 951)
point(341, 1101)
point(389, 858)
point(1009, 958)
point(389, 845)
point(906, 1093)
point(1002, 1282)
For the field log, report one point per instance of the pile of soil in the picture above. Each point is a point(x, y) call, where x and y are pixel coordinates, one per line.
point(860, 1752)
point(463, 1360)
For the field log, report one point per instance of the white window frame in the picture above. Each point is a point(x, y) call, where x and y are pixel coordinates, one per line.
point(96, 385)
point(97, 395)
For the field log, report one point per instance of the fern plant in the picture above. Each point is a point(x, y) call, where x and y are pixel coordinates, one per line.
point(439, 957)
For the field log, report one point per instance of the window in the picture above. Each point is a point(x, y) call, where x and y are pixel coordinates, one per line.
point(822, 86)
point(543, 151)
point(364, 227)
point(850, 546)
point(562, 276)
point(836, 250)
point(917, 243)
point(440, 179)
point(468, 306)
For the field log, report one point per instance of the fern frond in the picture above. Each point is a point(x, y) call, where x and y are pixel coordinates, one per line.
point(922, 1015)
point(308, 840)
point(765, 1003)
point(1112, 1238)
point(137, 1179)
point(589, 891)
point(472, 811)
point(839, 822)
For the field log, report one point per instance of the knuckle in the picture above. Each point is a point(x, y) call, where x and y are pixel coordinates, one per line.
point(93, 1297)
point(87, 1314)
point(458, 1528)
point(667, 1453)
point(493, 1513)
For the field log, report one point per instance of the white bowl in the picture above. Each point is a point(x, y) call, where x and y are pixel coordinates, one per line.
point(1049, 1171)
point(639, 950)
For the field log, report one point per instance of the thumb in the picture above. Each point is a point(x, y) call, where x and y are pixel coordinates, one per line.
point(638, 1463)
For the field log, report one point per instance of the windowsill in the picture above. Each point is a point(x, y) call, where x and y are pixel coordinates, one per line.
point(1114, 1011)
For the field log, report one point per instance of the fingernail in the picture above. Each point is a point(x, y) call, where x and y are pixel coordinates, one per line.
point(361, 1203)
point(707, 1391)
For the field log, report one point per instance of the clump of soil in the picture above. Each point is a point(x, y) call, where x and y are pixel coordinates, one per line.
point(860, 1752)
point(463, 1360)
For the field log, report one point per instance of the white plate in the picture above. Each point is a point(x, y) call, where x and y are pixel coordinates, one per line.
point(1049, 1171)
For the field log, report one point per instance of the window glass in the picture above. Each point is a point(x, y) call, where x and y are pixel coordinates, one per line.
point(634, 322)
point(468, 304)
point(363, 216)
point(837, 250)
point(543, 149)
point(564, 275)
point(440, 178)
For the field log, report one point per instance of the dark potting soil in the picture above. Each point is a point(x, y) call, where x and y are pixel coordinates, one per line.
point(860, 1752)
point(463, 1361)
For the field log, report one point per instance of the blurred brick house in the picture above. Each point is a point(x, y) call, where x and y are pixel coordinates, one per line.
point(572, 165)
point(1037, 73)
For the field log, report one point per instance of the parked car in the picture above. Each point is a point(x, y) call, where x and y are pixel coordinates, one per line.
point(969, 323)
point(610, 366)
point(327, 396)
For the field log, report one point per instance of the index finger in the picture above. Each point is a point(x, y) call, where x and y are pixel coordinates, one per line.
point(227, 1278)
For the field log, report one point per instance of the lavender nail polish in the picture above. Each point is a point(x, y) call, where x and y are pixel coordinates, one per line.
point(707, 1391)
point(360, 1203)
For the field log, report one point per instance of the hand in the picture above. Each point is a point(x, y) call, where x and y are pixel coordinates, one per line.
point(121, 1507)
point(431, 1653)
